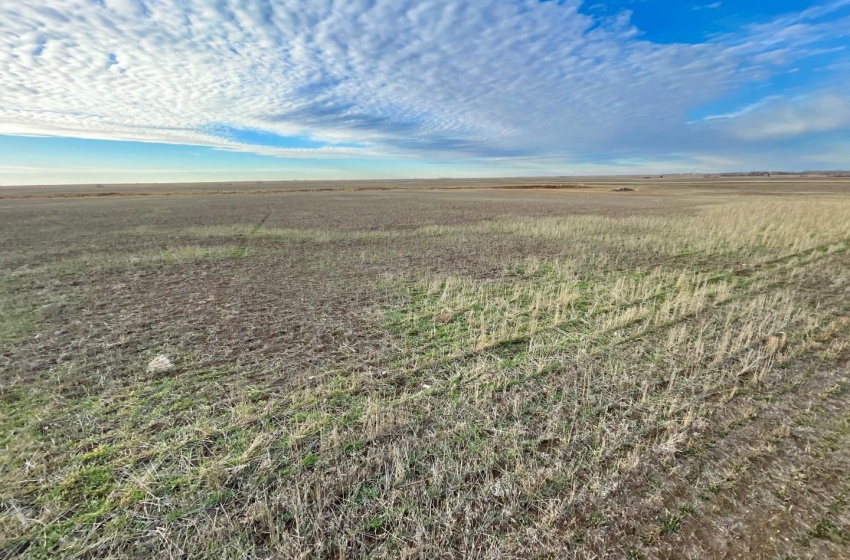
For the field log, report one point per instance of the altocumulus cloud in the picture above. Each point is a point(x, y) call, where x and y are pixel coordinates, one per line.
point(407, 78)
point(783, 118)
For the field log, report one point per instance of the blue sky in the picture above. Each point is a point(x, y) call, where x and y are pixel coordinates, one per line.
point(167, 90)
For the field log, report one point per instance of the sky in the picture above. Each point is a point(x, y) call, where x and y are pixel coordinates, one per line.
point(103, 91)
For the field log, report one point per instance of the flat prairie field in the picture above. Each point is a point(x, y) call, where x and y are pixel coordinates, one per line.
point(427, 369)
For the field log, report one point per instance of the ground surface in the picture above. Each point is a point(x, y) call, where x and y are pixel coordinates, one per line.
point(427, 370)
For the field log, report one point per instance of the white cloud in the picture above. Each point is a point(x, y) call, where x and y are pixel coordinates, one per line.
point(398, 77)
point(778, 118)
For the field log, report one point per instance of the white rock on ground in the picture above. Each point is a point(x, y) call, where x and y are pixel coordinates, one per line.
point(160, 364)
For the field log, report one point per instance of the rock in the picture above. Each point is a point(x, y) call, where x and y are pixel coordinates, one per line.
point(160, 364)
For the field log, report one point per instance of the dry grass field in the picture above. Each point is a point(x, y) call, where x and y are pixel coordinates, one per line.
point(427, 370)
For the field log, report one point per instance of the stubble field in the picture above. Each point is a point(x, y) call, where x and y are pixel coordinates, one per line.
point(429, 371)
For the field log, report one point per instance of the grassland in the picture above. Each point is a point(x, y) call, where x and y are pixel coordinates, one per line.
point(475, 372)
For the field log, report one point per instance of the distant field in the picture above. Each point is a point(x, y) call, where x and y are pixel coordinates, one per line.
point(742, 184)
point(440, 369)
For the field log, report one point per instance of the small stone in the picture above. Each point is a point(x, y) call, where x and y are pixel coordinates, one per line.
point(160, 364)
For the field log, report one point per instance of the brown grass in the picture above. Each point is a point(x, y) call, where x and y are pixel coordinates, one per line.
point(459, 374)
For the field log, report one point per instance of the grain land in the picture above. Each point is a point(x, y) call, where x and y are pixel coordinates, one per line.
point(427, 369)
